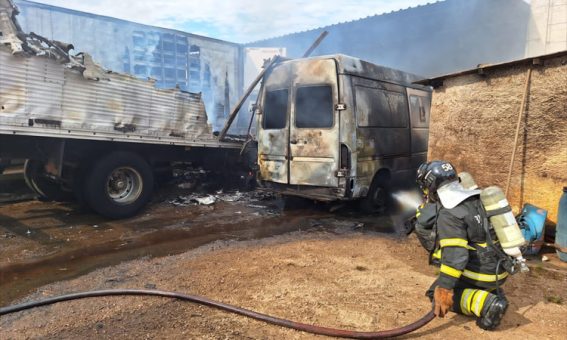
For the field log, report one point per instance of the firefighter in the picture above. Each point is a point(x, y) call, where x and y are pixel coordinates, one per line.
point(468, 276)
point(425, 218)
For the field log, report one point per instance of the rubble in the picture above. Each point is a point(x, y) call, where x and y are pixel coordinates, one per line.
point(183, 201)
point(209, 199)
point(33, 44)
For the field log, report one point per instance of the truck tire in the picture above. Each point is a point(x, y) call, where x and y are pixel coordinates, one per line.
point(45, 188)
point(377, 198)
point(118, 185)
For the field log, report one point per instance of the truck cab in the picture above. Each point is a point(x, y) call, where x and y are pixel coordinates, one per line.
point(339, 128)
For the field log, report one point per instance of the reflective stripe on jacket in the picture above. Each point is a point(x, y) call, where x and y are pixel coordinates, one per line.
point(464, 253)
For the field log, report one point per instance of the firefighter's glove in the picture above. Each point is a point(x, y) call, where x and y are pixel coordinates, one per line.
point(443, 301)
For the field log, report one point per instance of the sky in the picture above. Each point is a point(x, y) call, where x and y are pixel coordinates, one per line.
point(238, 20)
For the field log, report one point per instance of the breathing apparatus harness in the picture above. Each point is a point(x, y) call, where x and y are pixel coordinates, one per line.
point(508, 262)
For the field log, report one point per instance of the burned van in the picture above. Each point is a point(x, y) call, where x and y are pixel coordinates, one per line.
point(339, 128)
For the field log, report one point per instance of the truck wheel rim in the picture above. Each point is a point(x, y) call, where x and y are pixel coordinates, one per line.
point(124, 185)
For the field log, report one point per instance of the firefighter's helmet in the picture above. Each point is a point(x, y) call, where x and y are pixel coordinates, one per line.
point(431, 176)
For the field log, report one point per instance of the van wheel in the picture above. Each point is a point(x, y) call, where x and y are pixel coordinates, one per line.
point(376, 201)
point(118, 185)
point(45, 188)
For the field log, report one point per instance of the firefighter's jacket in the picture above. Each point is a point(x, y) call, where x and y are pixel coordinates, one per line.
point(465, 254)
point(425, 215)
point(424, 225)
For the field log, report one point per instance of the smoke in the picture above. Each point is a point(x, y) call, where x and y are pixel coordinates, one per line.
point(237, 21)
point(431, 40)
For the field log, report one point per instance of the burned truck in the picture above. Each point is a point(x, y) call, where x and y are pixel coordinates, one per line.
point(339, 128)
point(91, 134)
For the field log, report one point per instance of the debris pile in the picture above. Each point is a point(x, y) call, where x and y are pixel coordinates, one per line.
point(209, 199)
point(22, 43)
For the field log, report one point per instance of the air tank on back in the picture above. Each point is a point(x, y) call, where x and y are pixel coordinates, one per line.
point(467, 181)
point(504, 223)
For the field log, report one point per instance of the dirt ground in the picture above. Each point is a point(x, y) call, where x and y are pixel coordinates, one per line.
point(343, 277)
point(44, 242)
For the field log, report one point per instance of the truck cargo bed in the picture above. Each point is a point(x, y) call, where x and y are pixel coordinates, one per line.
point(41, 97)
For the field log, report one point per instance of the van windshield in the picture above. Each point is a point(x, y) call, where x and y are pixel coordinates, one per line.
point(314, 107)
point(275, 109)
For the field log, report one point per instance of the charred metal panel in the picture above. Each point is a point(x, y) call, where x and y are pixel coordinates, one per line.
point(383, 128)
point(191, 62)
point(10, 28)
point(361, 68)
point(371, 126)
point(294, 154)
point(419, 106)
point(347, 134)
point(45, 91)
point(273, 144)
point(41, 89)
point(314, 150)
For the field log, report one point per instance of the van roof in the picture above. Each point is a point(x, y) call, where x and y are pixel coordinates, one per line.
point(361, 68)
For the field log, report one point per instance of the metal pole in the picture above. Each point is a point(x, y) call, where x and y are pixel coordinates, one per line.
point(258, 78)
point(244, 97)
point(315, 44)
point(520, 113)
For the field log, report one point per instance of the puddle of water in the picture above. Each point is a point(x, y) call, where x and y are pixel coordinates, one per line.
point(161, 233)
point(19, 279)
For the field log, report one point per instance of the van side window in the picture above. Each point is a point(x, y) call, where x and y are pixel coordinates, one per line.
point(426, 104)
point(415, 105)
point(275, 109)
point(380, 108)
point(314, 107)
point(419, 108)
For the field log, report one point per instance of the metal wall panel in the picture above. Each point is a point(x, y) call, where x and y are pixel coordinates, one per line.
point(40, 96)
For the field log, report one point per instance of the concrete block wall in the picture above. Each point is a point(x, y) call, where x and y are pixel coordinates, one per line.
point(547, 32)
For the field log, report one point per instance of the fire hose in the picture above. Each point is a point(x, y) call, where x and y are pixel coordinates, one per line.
point(314, 329)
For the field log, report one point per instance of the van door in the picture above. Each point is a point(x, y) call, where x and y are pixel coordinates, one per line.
point(314, 124)
point(273, 136)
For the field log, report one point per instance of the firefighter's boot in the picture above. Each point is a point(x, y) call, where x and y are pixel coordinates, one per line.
point(492, 314)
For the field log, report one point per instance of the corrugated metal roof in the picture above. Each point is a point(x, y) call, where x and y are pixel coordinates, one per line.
point(347, 22)
point(438, 81)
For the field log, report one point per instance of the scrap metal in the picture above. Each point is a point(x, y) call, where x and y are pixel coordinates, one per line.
point(47, 91)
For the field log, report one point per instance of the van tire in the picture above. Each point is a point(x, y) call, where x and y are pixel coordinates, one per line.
point(118, 185)
point(376, 200)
